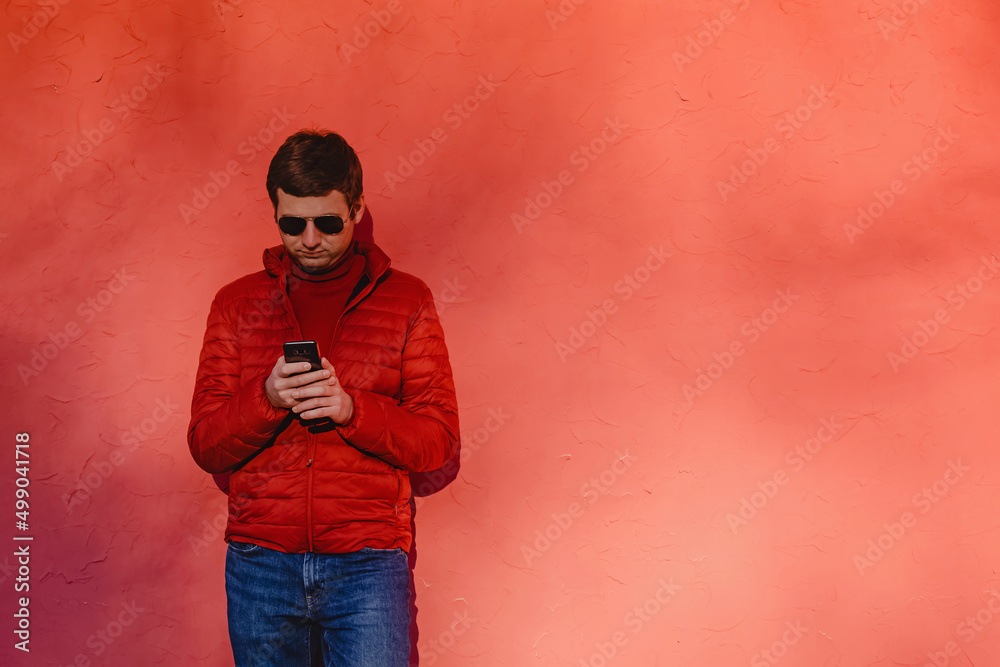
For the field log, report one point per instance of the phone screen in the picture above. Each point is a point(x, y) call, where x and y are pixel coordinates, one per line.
point(303, 350)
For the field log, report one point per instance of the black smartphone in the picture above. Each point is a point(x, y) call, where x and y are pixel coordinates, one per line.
point(303, 350)
point(307, 350)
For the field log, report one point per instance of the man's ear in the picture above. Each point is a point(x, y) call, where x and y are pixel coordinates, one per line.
point(361, 209)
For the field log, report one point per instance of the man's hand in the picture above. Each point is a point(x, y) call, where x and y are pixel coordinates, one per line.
point(283, 381)
point(312, 395)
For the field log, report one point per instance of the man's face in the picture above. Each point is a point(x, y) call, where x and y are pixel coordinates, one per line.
point(313, 250)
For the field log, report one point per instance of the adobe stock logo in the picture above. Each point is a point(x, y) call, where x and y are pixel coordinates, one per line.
point(797, 457)
point(565, 9)
point(901, 14)
point(597, 317)
point(250, 147)
point(472, 440)
point(89, 309)
point(753, 330)
point(773, 654)
point(562, 522)
point(123, 105)
point(364, 34)
point(430, 651)
point(102, 470)
point(924, 501)
point(99, 641)
point(635, 620)
point(581, 158)
point(38, 22)
point(967, 630)
point(788, 125)
point(916, 166)
point(448, 295)
point(455, 116)
point(704, 39)
point(957, 298)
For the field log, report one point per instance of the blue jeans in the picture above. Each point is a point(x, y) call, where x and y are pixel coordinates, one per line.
point(358, 603)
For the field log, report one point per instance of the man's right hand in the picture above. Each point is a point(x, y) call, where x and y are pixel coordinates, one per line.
point(282, 381)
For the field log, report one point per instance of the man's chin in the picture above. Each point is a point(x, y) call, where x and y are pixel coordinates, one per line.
point(314, 264)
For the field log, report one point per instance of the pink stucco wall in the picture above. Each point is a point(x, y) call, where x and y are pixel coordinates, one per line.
point(718, 280)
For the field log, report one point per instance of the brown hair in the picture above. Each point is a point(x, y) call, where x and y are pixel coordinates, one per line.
point(313, 163)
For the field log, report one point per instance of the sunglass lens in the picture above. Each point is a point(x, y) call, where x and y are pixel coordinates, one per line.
point(329, 224)
point(291, 225)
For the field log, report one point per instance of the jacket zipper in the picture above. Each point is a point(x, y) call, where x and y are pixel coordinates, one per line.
point(309, 494)
point(310, 438)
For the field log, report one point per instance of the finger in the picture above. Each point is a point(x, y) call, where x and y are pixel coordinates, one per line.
point(284, 369)
point(319, 413)
point(312, 404)
point(334, 380)
point(315, 389)
point(302, 379)
point(328, 366)
point(299, 367)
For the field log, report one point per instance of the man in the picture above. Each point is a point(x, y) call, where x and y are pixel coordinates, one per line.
point(319, 492)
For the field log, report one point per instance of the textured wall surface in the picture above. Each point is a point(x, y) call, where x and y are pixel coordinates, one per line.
point(717, 278)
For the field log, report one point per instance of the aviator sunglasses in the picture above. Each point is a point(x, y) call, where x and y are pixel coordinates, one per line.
point(294, 225)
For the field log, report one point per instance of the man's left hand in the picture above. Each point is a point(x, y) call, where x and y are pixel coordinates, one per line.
point(324, 398)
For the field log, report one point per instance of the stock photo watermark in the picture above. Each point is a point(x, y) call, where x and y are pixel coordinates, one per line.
point(472, 441)
point(900, 15)
point(625, 288)
point(915, 167)
point(696, 43)
point(774, 653)
point(34, 24)
point(249, 148)
point(371, 28)
point(635, 620)
point(448, 295)
point(430, 650)
point(967, 630)
point(726, 358)
point(564, 10)
point(787, 127)
point(89, 309)
point(923, 502)
point(454, 117)
point(957, 298)
point(100, 640)
point(590, 492)
point(581, 158)
point(210, 530)
point(123, 106)
point(796, 458)
point(129, 440)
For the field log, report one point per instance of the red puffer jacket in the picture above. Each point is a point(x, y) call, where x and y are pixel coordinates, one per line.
point(299, 489)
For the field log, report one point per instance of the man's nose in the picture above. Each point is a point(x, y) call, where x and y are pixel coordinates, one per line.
point(311, 236)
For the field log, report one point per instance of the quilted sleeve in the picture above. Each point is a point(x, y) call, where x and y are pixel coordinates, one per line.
point(420, 432)
point(229, 422)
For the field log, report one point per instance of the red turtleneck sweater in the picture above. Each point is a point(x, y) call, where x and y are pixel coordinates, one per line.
point(319, 299)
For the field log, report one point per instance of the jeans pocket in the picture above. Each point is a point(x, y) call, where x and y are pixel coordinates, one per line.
point(395, 557)
point(243, 547)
